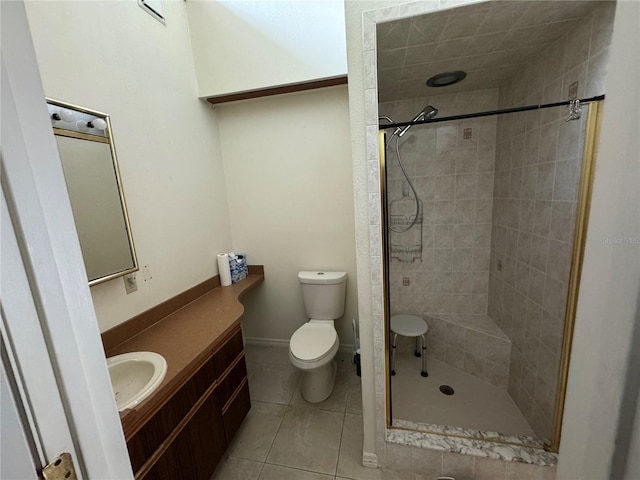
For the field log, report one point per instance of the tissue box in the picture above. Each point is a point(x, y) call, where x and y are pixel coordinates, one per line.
point(238, 266)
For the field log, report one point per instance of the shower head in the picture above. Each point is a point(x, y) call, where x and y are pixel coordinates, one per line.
point(427, 113)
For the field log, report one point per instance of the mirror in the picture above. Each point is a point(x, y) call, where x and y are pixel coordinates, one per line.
point(88, 156)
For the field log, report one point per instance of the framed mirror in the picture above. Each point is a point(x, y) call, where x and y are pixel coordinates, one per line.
point(88, 156)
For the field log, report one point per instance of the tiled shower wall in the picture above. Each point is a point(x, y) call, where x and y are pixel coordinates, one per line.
point(538, 161)
point(451, 166)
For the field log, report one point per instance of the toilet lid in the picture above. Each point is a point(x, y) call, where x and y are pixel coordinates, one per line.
point(312, 341)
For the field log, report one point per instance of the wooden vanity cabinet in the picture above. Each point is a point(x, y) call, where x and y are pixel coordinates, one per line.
point(187, 437)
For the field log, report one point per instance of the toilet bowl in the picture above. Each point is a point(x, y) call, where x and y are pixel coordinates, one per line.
point(314, 345)
point(312, 349)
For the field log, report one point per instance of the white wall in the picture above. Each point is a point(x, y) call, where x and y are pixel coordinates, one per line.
point(607, 315)
point(287, 163)
point(115, 58)
point(248, 45)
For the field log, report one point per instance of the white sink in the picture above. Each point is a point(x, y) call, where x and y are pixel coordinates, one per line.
point(135, 376)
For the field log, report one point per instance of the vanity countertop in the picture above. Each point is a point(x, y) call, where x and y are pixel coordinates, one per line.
point(185, 338)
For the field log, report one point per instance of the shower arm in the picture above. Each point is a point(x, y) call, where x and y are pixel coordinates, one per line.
point(427, 113)
point(395, 132)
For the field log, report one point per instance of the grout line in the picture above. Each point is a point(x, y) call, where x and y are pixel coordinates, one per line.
point(300, 469)
point(335, 472)
point(261, 469)
point(295, 389)
point(277, 432)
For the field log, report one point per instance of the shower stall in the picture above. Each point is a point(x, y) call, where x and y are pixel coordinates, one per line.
point(484, 198)
point(483, 255)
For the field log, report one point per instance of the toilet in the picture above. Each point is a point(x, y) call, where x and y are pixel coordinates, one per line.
point(314, 345)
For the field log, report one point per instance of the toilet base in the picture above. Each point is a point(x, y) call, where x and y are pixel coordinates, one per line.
point(317, 384)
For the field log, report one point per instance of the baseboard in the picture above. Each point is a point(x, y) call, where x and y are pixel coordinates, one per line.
point(279, 342)
point(346, 348)
point(369, 460)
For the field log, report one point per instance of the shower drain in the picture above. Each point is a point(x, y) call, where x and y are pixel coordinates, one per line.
point(447, 390)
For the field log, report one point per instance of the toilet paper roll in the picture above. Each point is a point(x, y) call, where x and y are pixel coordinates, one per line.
point(223, 269)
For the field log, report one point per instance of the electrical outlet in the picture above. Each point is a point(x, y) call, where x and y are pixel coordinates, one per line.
point(467, 133)
point(146, 273)
point(406, 281)
point(130, 283)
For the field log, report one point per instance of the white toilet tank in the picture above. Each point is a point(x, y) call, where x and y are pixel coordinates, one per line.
point(323, 294)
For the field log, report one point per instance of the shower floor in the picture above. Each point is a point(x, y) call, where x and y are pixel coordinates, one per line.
point(475, 404)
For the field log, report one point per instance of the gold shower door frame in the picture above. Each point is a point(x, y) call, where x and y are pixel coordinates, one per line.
point(579, 238)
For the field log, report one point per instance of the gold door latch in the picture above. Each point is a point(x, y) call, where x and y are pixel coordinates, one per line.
point(60, 469)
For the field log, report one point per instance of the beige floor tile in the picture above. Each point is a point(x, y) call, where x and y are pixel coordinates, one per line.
point(257, 432)
point(250, 372)
point(398, 458)
point(345, 362)
point(237, 469)
point(274, 355)
point(427, 463)
point(382, 475)
point(475, 404)
point(523, 471)
point(350, 459)
point(354, 396)
point(309, 438)
point(336, 402)
point(386, 474)
point(276, 472)
point(457, 465)
point(490, 469)
point(549, 473)
point(272, 383)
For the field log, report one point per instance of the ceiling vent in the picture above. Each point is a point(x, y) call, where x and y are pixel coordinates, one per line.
point(153, 8)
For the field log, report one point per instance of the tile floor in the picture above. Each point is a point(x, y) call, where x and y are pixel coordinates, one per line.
point(286, 438)
point(475, 404)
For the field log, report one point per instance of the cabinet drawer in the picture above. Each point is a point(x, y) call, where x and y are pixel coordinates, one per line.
point(231, 381)
point(226, 354)
point(157, 429)
point(235, 412)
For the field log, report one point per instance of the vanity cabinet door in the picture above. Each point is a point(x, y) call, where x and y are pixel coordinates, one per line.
point(235, 410)
point(197, 449)
point(155, 432)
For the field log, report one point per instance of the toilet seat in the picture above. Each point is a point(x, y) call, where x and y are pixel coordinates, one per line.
point(314, 342)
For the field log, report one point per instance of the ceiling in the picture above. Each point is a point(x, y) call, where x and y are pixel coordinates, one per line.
point(490, 41)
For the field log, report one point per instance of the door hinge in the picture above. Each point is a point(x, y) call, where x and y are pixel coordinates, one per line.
point(60, 469)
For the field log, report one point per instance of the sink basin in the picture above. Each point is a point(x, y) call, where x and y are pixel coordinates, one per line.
point(135, 376)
